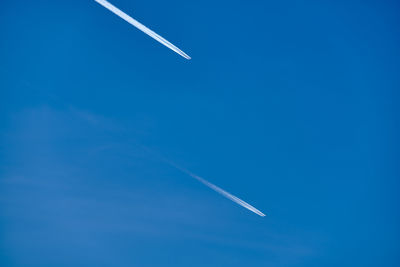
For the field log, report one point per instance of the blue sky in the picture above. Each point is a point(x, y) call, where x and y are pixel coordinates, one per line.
point(290, 105)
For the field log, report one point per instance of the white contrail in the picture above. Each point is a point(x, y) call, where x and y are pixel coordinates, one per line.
point(141, 27)
point(217, 189)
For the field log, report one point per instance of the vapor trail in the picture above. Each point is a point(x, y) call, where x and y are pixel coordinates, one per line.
point(141, 27)
point(217, 189)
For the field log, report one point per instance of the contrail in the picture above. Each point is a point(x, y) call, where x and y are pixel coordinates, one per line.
point(216, 189)
point(141, 27)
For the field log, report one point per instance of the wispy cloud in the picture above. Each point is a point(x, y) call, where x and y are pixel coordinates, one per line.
point(104, 193)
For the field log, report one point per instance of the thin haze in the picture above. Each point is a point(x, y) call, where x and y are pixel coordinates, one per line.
point(217, 189)
point(141, 27)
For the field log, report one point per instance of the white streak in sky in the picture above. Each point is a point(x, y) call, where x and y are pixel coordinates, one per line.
point(141, 27)
point(217, 189)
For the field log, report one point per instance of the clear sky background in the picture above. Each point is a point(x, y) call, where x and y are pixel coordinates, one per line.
point(290, 105)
